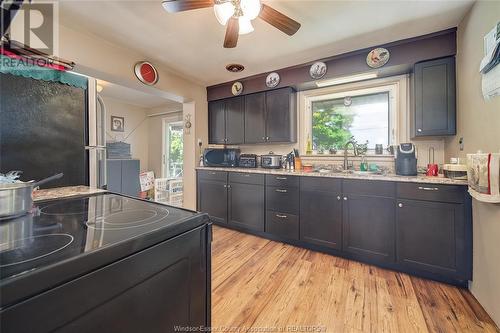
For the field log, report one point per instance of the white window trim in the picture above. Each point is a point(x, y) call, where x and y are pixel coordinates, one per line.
point(398, 107)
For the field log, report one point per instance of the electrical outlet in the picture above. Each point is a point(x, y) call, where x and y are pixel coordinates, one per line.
point(200, 143)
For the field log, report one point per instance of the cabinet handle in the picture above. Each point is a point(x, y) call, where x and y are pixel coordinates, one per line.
point(229, 186)
point(428, 188)
point(345, 198)
point(264, 138)
point(267, 138)
point(400, 205)
point(281, 178)
point(419, 130)
point(225, 186)
point(338, 197)
point(281, 216)
point(247, 175)
point(213, 173)
point(281, 191)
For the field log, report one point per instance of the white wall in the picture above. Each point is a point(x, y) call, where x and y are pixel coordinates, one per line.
point(479, 125)
point(136, 128)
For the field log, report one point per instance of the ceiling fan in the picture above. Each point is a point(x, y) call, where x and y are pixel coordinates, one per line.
point(237, 15)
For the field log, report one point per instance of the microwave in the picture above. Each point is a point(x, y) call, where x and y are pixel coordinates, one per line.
point(221, 157)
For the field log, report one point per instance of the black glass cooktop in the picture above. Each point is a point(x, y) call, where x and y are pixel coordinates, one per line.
point(66, 229)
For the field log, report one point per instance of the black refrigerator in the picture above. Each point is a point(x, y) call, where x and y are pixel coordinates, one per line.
point(44, 130)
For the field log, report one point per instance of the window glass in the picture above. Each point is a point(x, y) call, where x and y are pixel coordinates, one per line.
point(364, 117)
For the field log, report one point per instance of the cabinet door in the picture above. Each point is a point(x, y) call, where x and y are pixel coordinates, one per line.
point(280, 115)
point(246, 206)
point(255, 118)
point(321, 212)
point(114, 175)
point(212, 199)
point(368, 231)
point(431, 237)
point(216, 122)
point(130, 177)
point(235, 121)
point(435, 97)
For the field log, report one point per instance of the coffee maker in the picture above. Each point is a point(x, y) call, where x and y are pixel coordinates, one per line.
point(406, 160)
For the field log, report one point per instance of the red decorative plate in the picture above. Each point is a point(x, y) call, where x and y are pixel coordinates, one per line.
point(146, 73)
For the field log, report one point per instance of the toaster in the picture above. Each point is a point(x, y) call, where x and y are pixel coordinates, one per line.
point(248, 161)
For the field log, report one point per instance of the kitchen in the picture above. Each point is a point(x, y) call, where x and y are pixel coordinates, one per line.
point(327, 227)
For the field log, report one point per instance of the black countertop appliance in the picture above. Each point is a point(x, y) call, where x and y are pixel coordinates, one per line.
point(248, 161)
point(105, 263)
point(406, 160)
point(221, 157)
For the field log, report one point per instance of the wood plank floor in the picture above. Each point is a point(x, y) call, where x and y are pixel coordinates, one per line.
point(260, 285)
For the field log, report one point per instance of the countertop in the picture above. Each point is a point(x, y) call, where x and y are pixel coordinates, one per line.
point(365, 176)
point(64, 192)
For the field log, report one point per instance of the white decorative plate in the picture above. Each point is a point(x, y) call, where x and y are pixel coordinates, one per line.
point(272, 80)
point(317, 70)
point(377, 57)
point(237, 88)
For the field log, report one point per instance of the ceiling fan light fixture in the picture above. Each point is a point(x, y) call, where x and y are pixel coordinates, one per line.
point(223, 12)
point(250, 8)
point(246, 26)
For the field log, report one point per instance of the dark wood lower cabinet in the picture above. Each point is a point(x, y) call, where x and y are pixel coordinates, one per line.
point(431, 237)
point(321, 212)
point(246, 206)
point(368, 227)
point(421, 229)
point(212, 199)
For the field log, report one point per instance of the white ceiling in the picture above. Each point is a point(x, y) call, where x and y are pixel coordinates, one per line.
point(135, 97)
point(190, 43)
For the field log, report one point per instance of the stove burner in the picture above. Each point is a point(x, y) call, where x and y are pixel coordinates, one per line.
point(80, 207)
point(28, 249)
point(128, 219)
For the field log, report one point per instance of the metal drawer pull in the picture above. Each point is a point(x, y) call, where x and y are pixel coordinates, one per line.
point(246, 175)
point(213, 173)
point(428, 188)
point(281, 178)
point(281, 191)
point(281, 216)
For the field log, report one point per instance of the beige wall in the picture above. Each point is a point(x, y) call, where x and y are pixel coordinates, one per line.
point(479, 125)
point(136, 128)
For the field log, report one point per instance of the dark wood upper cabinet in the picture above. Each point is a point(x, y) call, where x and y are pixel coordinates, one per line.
point(216, 122)
point(434, 110)
point(281, 115)
point(269, 116)
point(255, 118)
point(235, 121)
point(226, 121)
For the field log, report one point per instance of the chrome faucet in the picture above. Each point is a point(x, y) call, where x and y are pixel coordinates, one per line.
point(346, 162)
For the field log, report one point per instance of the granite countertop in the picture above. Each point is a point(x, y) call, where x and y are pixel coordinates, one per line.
point(359, 175)
point(64, 192)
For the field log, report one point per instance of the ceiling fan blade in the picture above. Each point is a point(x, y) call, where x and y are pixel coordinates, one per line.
point(174, 6)
point(279, 20)
point(232, 30)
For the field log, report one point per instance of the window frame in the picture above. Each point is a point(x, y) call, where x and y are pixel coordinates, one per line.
point(354, 89)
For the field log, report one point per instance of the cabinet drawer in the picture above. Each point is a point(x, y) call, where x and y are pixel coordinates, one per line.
point(212, 175)
point(246, 178)
point(370, 187)
point(282, 180)
point(322, 184)
point(282, 224)
point(282, 199)
point(431, 192)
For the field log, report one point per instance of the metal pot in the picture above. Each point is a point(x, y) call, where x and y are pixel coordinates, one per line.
point(15, 198)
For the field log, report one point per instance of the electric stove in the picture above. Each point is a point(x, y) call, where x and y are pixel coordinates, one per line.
point(66, 238)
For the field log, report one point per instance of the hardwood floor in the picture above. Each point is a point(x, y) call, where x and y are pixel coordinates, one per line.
point(260, 285)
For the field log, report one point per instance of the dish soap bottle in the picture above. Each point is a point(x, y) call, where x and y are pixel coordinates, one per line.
point(308, 146)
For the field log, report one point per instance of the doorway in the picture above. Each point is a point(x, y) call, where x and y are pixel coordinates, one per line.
point(173, 149)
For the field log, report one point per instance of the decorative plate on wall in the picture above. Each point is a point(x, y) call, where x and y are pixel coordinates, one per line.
point(237, 88)
point(272, 80)
point(377, 57)
point(146, 73)
point(317, 70)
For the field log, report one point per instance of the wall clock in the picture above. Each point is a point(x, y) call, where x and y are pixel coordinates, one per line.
point(146, 73)
point(317, 70)
point(272, 80)
point(237, 88)
point(377, 57)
